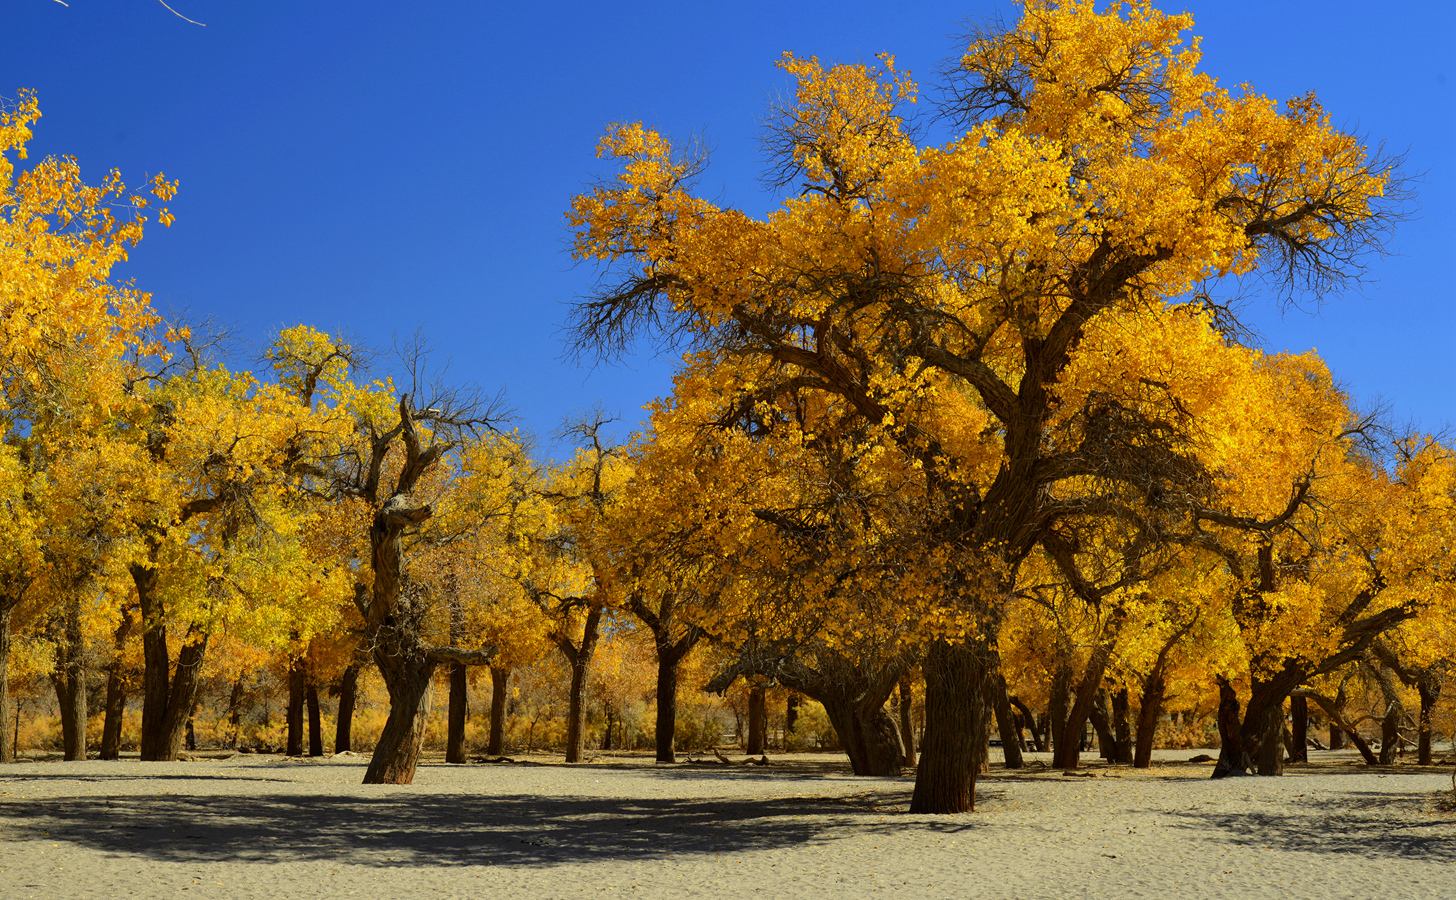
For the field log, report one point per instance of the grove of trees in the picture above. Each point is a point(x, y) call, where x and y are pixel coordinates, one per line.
point(964, 444)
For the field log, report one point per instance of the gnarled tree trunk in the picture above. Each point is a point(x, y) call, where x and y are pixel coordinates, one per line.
point(116, 687)
point(956, 695)
point(455, 719)
point(397, 753)
point(69, 679)
point(344, 721)
point(499, 681)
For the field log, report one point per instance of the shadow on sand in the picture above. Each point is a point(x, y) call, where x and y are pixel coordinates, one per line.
point(437, 829)
point(1363, 823)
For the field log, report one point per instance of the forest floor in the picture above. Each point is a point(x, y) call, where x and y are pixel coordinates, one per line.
point(802, 826)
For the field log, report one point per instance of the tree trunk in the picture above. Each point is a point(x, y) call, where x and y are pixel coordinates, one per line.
point(955, 728)
point(1232, 760)
point(156, 663)
point(455, 719)
point(576, 712)
point(1390, 733)
point(1430, 691)
point(1121, 728)
point(344, 722)
point(315, 725)
point(1059, 698)
point(757, 720)
point(407, 678)
point(7, 736)
point(1097, 715)
point(499, 681)
point(907, 721)
point(666, 729)
point(1299, 729)
point(869, 735)
point(297, 684)
point(1149, 710)
point(1006, 722)
point(235, 712)
point(1069, 745)
point(181, 698)
point(791, 716)
point(1333, 709)
point(1038, 743)
point(70, 680)
point(116, 685)
point(1337, 736)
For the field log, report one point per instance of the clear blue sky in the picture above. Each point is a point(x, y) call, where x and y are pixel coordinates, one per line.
point(387, 168)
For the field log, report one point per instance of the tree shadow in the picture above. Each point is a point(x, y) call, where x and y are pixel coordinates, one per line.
point(1364, 823)
point(441, 829)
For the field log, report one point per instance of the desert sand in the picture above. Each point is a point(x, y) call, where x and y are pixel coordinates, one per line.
point(261, 826)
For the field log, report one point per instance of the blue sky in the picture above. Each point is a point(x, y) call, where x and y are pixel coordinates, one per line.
point(383, 169)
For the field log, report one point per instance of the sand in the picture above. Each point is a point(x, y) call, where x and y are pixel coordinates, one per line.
point(253, 826)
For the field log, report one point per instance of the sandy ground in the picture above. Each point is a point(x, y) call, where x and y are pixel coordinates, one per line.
point(254, 826)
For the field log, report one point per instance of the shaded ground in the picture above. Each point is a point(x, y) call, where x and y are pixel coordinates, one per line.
point(261, 826)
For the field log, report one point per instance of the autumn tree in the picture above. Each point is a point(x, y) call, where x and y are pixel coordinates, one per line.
point(1099, 172)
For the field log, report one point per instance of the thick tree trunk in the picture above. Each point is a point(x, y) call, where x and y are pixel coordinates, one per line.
point(791, 716)
point(1097, 715)
point(1337, 737)
point(665, 732)
point(499, 682)
point(1232, 760)
point(1059, 699)
point(955, 728)
point(1390, 733)
point(1150, 708)
point(907, 721)
point(397, 753)
point(69, 679)
point(757, 720)
point(181, 698)
point(7, 736)
point(1299, 729)
point(1121, 728)
point(156, 664)
point(297, 685)
point(1069, 745)
point(869, 736)
point(1006, 722)
point(116, 685)
point(1430, 691)
point(315, 721)
point(455, 718)
point(344, 722)
point(576, 711)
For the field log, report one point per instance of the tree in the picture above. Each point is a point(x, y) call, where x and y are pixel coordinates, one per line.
point(976, 269)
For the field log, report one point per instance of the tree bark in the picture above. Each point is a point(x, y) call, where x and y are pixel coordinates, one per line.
point(297, 683)
point(1059, 698)
point(407, 679)
point(315, 724)
point(344, 722)
point(1121, 728)
point(757, 720)
point(1232, 760)
point(907, 721)
point(1097, 715)
point(1299, 728)
point(7, 735)
point(664, 734)
point(1006, 722)
point(1430, 691)
point(791, 717)
point(579, 657)
point(116, 687)
point(1150, 708)
point(1069, 746)
point(459, 703)
point(955, 728)
point(167, 696)
point(1038, 743)
point(1337, 720)
point(70, 680)
point(499, 681)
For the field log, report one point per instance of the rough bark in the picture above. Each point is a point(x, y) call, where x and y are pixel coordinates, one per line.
point(1006, 722)
point(1299, 729)
point(407, 679)
point(1038, 742)
point(1232, 759)
point(315, 720)
point(665, 731)
point(297, 685)
point(1059, 699)
point(1102, 727)
point(499, 682)
point(1121, 728)
point(116, 687)
point(1149, 710)
point(1430, 691)
point(757, 720)
point(344, 722)
point(1069, 746)
point(7, 736)
point(955, 728)
point(578, 656)
point(907, 721)
point(167, 695)
point(459, 709)
point(69, 679)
